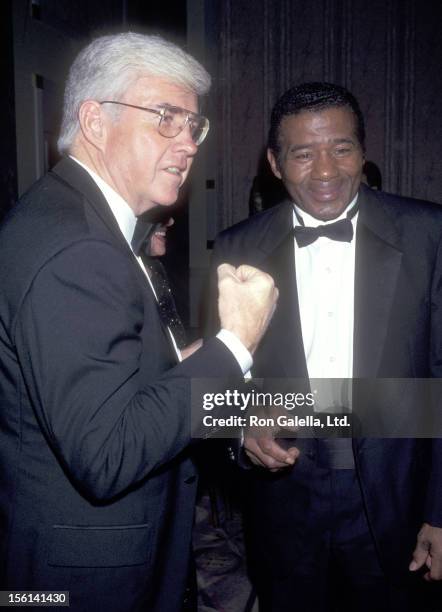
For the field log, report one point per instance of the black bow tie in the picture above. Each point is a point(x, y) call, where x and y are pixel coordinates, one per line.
point(339, 230)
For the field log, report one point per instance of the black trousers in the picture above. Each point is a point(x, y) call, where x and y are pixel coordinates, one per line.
point(344, 575)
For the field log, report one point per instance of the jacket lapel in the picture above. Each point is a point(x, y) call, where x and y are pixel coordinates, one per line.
point(377, 266)
point(78, 180)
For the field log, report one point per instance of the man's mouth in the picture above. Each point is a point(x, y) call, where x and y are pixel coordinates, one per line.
point(174, 170)
point(328, 193)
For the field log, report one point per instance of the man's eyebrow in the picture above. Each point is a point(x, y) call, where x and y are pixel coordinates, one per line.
point(344, 140)
point(308, 145)
point(162, 105)
point(156, 104)
point(151, 104)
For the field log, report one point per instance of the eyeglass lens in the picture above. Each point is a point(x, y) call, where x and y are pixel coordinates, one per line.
point(174, 120)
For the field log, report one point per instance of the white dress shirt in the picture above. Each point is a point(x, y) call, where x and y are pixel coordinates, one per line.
point(325, 273)
point(127, 220)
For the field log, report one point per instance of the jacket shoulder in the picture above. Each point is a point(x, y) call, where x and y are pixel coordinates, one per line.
point(50, 218)
point(48, 212)
point(406, 206)
point(253, 230)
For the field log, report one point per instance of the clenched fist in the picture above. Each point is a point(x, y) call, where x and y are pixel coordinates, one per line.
point(247, 300)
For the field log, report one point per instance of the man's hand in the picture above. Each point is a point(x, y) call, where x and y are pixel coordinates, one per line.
point(266, 452)
point(247, 300)
point(188, 350)
point(261, 446)
point(428, 552)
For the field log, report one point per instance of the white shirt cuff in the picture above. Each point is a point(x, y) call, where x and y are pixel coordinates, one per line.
point(241, 354)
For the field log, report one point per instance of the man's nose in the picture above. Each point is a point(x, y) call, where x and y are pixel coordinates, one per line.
point(324, 167)
point(184, 141)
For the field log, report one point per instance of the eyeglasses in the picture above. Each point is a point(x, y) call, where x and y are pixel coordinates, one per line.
point(173, 120)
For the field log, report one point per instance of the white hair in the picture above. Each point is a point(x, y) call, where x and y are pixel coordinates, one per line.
point(110, 64)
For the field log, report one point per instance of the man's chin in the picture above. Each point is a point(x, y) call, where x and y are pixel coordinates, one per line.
point(163, 202)
point(168, 198)
point(326, 210)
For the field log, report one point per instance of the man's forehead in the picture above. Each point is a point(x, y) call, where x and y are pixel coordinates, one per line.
point(336, 118)
point(148, 86)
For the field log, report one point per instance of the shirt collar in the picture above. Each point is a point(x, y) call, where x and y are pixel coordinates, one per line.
point(121, 210)
point(310, 221)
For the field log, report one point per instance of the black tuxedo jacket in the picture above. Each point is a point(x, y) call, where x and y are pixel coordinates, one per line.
point(397, 334)
point(96, 486)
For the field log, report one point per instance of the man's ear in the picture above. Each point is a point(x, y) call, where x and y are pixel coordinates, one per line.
point(273, 163)
point(92, 124)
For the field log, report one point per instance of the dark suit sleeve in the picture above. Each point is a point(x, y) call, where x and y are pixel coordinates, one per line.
point(77, 335)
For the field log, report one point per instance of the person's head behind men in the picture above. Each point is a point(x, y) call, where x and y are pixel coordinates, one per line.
point(316, 147)
point(144, 155)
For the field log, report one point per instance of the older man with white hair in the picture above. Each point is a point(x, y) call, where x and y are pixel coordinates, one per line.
point(96, 484)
